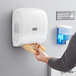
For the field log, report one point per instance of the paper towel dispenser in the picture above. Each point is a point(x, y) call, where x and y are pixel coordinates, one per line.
point(29, 25)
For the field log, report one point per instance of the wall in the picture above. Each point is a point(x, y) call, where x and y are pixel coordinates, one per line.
point(17, 61)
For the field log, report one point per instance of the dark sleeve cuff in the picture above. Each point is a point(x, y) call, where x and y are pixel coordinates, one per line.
point(51, 61)
point(55, 63)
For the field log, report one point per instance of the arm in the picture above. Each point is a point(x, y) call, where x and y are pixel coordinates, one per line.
point(66, 62)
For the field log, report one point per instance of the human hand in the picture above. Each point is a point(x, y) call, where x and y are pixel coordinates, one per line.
point(42, 56)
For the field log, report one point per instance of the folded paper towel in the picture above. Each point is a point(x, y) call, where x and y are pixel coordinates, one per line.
point(33, 48)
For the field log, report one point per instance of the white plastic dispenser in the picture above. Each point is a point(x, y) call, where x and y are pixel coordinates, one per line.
point(29, 25)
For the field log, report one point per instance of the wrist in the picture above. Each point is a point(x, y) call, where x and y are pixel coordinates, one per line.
point(46, 60)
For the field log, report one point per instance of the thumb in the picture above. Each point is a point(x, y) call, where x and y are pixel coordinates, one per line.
point(40, 50)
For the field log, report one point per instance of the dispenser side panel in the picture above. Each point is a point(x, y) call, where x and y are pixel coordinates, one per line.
point(16, 28)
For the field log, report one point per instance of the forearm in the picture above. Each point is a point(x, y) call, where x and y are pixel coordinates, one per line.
point(56, 63)
point(68, 60)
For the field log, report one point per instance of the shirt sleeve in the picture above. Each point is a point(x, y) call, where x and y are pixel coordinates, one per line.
point(68, 59)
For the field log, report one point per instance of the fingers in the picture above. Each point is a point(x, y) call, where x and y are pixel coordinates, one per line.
point(42, 47)
point(36, 56)
point(40, 51)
